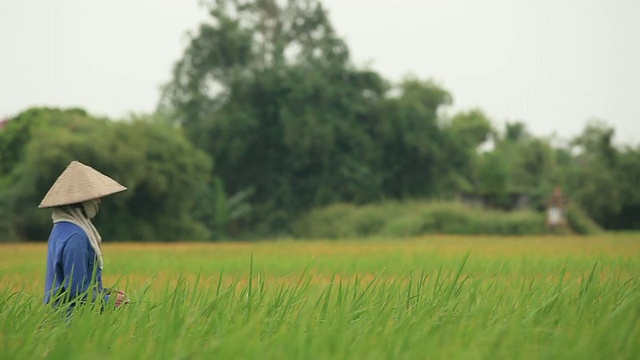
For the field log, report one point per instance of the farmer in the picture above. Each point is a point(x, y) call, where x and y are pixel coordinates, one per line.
point(74, 258)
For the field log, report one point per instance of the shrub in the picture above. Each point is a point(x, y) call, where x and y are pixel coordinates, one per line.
point(394, 219)
point(580, 222)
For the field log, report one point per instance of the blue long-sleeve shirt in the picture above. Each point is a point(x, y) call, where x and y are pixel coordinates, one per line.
point(72, 270)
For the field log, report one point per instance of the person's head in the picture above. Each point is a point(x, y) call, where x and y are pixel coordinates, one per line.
point(80, 186)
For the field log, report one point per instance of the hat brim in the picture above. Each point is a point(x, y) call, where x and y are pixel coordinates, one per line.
point(78, 183)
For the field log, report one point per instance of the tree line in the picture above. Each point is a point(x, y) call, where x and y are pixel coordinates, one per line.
point(266, 117)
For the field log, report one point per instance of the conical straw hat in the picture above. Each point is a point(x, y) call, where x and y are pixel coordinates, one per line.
point(78, 183)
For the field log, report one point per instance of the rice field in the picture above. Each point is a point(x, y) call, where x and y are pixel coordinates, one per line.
point(436, 297)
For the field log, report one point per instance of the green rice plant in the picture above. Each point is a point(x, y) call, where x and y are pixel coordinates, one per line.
point(440, 298)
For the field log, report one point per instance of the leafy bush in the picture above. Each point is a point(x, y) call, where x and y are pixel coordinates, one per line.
point(580, 222)
point(157, 164)
point(394, 219)
point(335, 221)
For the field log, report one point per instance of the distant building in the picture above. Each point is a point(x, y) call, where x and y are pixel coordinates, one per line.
point(3, 123)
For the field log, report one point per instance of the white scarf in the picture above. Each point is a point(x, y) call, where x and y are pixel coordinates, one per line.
point(76, 216)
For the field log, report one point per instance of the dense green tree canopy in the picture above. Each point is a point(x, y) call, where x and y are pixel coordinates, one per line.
point(268, 89)
point(603, 178)
point(161, 169)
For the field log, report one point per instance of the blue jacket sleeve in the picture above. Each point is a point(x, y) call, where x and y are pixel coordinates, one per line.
point(75, 262)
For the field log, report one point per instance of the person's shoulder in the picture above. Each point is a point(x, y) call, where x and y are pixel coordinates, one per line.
point(65, 231)
point(67, 227)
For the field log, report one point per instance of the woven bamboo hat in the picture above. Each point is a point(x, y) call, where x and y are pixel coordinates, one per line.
point(78, 183)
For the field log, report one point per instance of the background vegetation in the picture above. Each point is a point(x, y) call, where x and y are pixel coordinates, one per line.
point(267, 119)
point(406, 219)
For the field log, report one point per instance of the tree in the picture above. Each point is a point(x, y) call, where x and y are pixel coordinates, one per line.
point(628, 178)
point(464, 134)
point(493, 178)
point(411, 140)
point(598, 180)
point(520, 163)
point(267, 90)
point(158, 165)
point(515, 132)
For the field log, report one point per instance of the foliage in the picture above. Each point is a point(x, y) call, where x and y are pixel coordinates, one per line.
point(396, 219)
point(464, 134)
point(268, 90)
point(411, 141)
point(483, 297)
point(493, 177)
point(159, 166)
point(603, 178)
point(580, 222)
point(255, 126)
point(519, 164)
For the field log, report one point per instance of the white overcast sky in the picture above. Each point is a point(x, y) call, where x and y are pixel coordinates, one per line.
point(552, 64)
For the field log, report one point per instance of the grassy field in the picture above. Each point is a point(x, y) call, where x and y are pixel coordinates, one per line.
point(438, 297)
